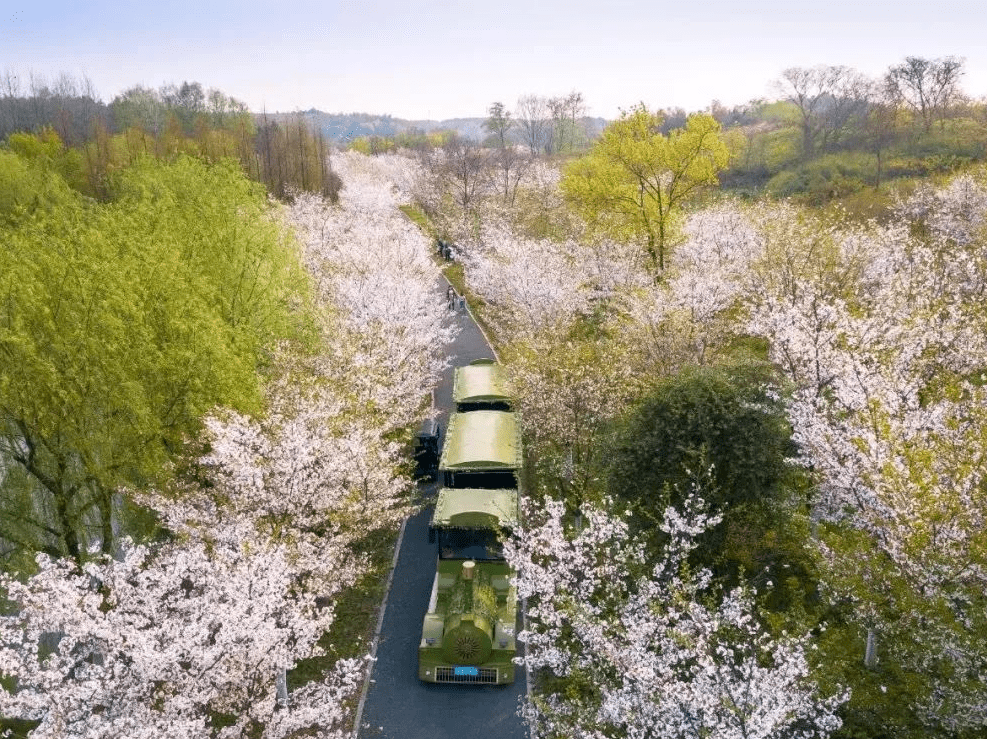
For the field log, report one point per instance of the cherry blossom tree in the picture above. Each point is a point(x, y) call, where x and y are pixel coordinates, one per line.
point(530, 284)
point(548, 303)
point(169, 640)
point(890, 413)
point(324, 461)
point(527, 285)
point(386, 319)
point(687, 318)
point(625, 647)
point(880, 330)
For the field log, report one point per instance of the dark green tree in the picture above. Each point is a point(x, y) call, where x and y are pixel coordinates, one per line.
point(724, 428)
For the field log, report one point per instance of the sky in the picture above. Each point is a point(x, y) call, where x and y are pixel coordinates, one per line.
point(452, 58)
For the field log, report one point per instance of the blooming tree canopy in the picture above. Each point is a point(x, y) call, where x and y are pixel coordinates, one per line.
point(650, 650)
point(880, 329)
point(159, 643)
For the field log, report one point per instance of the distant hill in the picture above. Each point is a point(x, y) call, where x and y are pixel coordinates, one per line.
point(344, 127)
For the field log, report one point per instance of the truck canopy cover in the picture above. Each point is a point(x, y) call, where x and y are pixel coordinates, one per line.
point(473, 509)
point(481, 440)
point(481, 383)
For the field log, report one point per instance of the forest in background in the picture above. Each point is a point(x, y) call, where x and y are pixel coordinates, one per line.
point(830, 133)
point(102, 138)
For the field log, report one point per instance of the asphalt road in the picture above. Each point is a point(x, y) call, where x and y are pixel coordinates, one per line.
point(398, 705)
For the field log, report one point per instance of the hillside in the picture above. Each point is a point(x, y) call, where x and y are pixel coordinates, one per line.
point(344, 127)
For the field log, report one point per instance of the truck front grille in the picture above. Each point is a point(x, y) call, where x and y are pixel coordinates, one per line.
point(487, 676)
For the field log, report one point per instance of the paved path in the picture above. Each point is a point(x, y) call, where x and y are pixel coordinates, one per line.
point(398, 705)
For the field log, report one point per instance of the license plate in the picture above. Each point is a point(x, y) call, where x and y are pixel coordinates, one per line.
point(466, 672)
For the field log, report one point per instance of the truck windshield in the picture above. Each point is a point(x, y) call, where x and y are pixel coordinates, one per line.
point(469, 544)
point(491, 480)
point(467, 406)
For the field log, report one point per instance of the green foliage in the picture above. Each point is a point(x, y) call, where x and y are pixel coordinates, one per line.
point(17, 729)
point(780, 111)
point(218, 224)
point(26, 187)
point(724, 428)
point(46, 152)
point(718, 416)
point(962, 138)
point(839, 176)
point(46, 146)
point(285, 154)
point(634, 180)
point(413, 139)
point(189, 106)
point(373, 145)
point(780, 148)
point(417, 216)
point(827, 178)
point(106, 154)
point(867, 204)
point(121, 324)
point(874, 151)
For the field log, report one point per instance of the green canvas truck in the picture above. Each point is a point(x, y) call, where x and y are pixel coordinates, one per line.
point(469, 629)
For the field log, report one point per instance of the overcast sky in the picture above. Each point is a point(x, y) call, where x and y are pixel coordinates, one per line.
point(453, 58)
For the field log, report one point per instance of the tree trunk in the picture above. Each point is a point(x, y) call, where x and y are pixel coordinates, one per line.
point(70, 537)
point(105, 504)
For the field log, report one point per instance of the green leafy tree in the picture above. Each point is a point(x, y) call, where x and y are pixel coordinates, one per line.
point(722, 428)
point(26, 186)
point(47, 150)
point(121, 324)
point(634, 181)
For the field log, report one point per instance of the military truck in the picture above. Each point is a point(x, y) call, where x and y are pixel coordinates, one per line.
point(481, 385)
point(468, 632)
